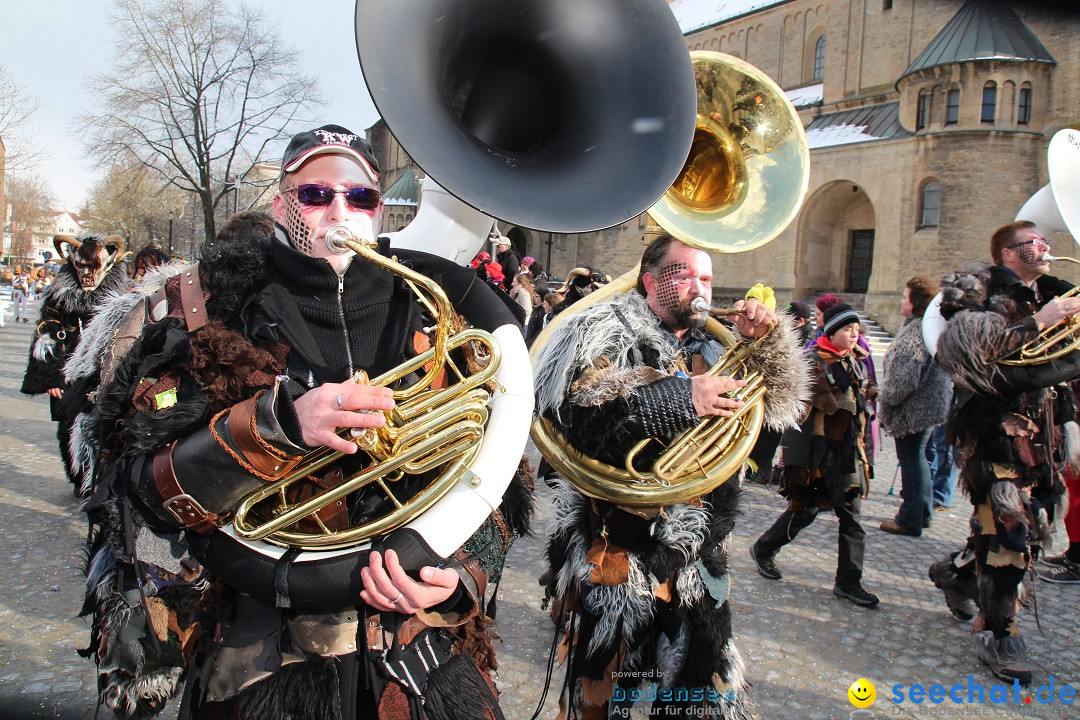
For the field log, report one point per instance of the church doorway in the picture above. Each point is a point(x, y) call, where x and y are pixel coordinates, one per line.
point(860, 261)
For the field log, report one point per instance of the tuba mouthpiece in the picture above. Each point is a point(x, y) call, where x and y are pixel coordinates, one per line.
point(336, 239)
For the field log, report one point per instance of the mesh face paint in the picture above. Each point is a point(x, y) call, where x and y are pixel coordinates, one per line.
point(303, 228)
point(1031, 255)
point(672, 279)
point(295, 225)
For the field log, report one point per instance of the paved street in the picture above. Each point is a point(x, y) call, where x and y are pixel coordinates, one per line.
point(802, 646)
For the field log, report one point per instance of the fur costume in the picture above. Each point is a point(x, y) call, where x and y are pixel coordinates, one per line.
point(916, 395)
point(159, 616)
point(66, 308)
point(1007, 430)
point(644, 593)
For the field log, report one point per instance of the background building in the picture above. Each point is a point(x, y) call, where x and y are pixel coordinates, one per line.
point(928, 123)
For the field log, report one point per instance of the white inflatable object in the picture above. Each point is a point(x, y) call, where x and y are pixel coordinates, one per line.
point(444, 226)
point(932, 325)
point(1056, 207)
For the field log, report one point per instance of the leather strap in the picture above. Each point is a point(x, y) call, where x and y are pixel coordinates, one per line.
point(191, 295)
point(472, 566)
point(267, 460)
point(186, 509)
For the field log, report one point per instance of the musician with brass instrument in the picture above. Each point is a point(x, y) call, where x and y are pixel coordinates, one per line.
point(643, 591)
point(258, 364)
point(1007, 426)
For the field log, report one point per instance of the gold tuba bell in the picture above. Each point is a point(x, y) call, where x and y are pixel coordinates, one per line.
point(741, 185)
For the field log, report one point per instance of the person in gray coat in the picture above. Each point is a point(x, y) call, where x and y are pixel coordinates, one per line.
point(913, 399)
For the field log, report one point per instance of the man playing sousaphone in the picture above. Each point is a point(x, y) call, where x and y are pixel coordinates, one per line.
point(1006, 424)
point(252, 368)
point(643, 590)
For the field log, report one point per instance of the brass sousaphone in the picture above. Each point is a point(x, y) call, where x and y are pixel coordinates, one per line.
point(742, 184)
point(521, 111)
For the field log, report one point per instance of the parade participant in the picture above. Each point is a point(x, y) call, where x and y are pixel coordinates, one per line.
point(20, 288)
point(90, 276)
point(149, 256)
point(252, 365)
point(1007, 435)
point(826, 464)
point(643, 591)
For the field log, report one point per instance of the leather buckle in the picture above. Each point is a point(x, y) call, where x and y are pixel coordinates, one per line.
point(189, 513)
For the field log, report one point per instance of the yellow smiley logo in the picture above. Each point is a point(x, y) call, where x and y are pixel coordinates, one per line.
point(862, 693)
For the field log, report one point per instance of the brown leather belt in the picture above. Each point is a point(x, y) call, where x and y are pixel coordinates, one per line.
point(186, 509)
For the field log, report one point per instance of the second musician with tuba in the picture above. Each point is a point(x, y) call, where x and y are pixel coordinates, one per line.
point(644, 590)
point(1006, 424)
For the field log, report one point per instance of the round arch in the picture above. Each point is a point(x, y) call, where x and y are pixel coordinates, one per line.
point(835, 245)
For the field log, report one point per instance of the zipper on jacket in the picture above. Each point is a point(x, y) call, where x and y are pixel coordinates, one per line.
point(341, 316)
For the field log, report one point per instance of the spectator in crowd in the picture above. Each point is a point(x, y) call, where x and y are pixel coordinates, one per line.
point(825, 461)
point(541, 316)
point(914, 398)
point(479, 263)
point(521, 292)
point(942, 472)
point(495, 274)
point(508, 260)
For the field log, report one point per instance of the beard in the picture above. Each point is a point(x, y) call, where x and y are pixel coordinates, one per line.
point(687, 318)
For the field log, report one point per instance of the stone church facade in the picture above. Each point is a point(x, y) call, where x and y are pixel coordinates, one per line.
point(928, 123)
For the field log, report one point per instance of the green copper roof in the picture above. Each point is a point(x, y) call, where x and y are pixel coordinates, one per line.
point(404, 191)
point(982, 30)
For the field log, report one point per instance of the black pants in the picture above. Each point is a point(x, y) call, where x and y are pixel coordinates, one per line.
point(851, 545)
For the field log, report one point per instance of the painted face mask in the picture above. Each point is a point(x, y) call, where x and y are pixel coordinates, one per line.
point(92, 256)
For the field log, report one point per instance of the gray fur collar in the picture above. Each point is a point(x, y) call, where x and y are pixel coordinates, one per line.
point(597, 332)
point(96, 336)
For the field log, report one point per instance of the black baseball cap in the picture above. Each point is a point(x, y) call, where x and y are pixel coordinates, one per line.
point(329, 139)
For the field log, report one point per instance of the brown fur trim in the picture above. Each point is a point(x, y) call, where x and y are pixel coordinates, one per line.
point(222, 360)
point(476, 636)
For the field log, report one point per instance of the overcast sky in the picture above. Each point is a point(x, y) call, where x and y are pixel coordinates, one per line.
point(50, 47)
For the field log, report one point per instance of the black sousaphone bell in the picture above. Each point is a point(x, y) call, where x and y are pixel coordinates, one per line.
point(557, 115)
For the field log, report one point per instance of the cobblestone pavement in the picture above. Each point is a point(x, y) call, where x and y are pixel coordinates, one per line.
point(802, 646)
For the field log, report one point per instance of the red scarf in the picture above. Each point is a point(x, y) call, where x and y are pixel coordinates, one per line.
point(824, 344)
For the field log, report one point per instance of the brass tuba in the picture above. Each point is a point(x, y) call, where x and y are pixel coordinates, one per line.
point(430, 428)
point(741, 185)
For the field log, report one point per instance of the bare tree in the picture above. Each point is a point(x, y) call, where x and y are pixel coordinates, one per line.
point(16, 110)
point(30, 201)
point(130, 201)
point(197, 91)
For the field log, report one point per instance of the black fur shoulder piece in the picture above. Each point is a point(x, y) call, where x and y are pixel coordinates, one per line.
point(235, 262)
point(965, 288)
